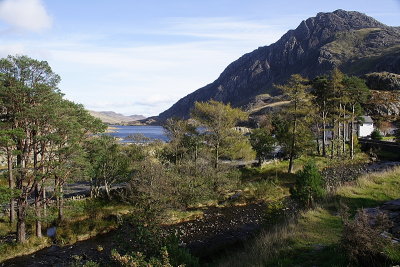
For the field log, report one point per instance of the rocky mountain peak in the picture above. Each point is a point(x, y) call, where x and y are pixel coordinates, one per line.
point(350, 40)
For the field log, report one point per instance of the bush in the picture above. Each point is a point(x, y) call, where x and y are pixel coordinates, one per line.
point(376, 135)
point(275, 213)
point(362, 238)
point(141, 242)
point(309, 185)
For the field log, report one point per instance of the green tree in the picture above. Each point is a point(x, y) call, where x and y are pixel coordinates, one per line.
point(357, 93)
point(336, 87)
point(309, 185)
point(262, 142)
point(108, 164)
point(297, 112)
point(179, 133)
point(8, 145)
point(26, 86)
point(32, 122)
point(219, 121)
point(323, 100)
point(376, 135)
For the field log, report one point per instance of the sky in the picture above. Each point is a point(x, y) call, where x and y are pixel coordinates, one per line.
point(140, 57)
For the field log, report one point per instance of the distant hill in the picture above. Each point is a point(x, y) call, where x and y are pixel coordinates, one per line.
point(354, 42)
point(111, 117)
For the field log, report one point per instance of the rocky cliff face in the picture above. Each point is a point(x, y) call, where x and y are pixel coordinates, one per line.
point(384, 104)
point(385, 81)
point(352, 41)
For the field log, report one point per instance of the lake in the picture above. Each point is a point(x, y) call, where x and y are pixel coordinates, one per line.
point(152, 132)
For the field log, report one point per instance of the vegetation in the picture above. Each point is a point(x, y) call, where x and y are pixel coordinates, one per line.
point(49, 142)
point(321, 237)
point(309, 185)
point(376, 135)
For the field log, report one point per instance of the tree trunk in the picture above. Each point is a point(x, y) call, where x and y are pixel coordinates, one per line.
point(61, 204)
point(216, 156)
point(21, 225)
point(292, 146)
point(57, 194)
point(22, 201)
point(38, 211)
point(345, 125)
point(11, 184)
point(107, 188)
point(44, 200)
point(338, 138)
point(323, 137)
point(352, 134)
point(333, 140)
point(317, 139)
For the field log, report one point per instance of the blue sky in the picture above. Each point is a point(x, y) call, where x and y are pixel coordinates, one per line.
point(139, 57)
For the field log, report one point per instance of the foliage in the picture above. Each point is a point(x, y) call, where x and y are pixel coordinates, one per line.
point(362, 240)
point(275, 213)
point(376, 135)
point(183, 138)
point(164, 186)
point(297, 114)
point(109, 165)
point(141, 242)
point(262, 142)
point(309, 185)
point(41, 133)
point(218, 120)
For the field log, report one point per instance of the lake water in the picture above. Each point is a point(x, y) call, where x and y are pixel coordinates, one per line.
point(152, 132)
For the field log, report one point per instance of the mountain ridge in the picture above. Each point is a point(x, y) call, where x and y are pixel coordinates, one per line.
point(354, 42)
point(111, 117)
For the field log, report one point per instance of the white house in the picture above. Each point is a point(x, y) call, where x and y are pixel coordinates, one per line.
point(365, 126)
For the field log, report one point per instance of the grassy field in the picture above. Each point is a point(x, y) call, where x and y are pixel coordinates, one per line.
point(314, 239)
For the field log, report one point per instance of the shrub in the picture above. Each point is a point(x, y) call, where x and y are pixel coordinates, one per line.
point(275, 213)
point(309, 185)
point(362, 238)
point(376, 135)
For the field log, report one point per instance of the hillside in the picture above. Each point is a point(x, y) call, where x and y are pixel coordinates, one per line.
point(111, 117)
point(352, 41)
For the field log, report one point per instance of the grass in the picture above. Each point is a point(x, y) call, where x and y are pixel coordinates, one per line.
point(179, 216)
point(313, 240)
point(372, 189)
point(8, 251)
point(388, 138)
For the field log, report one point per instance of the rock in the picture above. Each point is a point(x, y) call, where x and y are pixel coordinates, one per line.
point(383, 81)
point(392, 209)
point(393, 205)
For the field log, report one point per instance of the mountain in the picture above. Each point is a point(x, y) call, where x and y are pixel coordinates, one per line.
point(354, 42)
point(111, 117)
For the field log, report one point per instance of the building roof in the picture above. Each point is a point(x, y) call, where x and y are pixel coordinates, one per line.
point(366, 119)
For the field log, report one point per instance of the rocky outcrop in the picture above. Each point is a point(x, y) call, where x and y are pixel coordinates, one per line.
point(352, 41)
point(383, 81)
point(384, 104)
point(392, 210)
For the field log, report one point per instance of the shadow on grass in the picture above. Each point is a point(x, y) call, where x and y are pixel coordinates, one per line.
point(317, 256)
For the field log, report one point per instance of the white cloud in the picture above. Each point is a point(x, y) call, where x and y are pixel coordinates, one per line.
point(28, 15)
point(146, 78)
point(224, 28)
